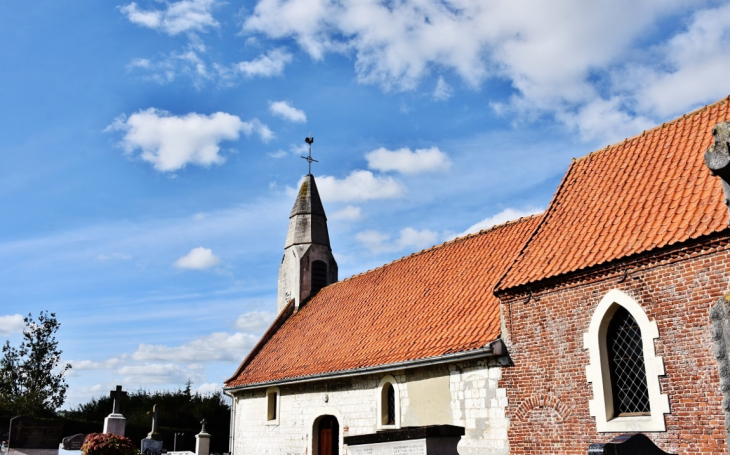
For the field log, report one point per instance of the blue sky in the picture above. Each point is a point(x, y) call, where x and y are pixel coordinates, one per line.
point(150, 150)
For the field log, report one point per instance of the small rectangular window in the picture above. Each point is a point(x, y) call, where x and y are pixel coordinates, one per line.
point(271, 414)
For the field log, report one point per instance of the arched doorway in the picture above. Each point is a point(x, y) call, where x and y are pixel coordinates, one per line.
point(327, 430)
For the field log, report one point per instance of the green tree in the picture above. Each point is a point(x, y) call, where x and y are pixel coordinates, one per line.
point(31, 376)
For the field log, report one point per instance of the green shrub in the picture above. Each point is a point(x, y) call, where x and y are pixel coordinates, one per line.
point(108, 444)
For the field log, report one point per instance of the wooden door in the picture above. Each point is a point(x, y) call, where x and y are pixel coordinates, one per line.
point(329, 432)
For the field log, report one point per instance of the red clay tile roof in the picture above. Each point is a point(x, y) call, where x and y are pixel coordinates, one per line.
point(435, 302)
point(646, 192)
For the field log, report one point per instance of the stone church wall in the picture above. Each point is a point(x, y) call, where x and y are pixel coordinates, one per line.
point(464, 394)
point(547, 387)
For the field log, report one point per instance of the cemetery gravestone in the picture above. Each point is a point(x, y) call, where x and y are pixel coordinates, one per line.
point(637, 444)
point(115, 422)
point(29, 433)
point(152, 444)
point(428, 440)
point(71, 445)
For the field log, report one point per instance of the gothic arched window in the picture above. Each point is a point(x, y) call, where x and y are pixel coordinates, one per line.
point(626, 364)
point(624, 368)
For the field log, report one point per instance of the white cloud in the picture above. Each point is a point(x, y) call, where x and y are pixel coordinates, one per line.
point(255, 321)
point(568, 59)
point(408, 162)
point(209, 387)
point(505, 215)
point(219, 346)
point(11, 324)
point(177, 17)
point(378, 242)
point(94, 365)
point(278, 154)
point(347, 213)
point(358, 186)
point(443, 91)
point(158, 373)
point(170, 142)
point(287, 111)
point(198, 259)
point(693, 70)
point(269, 65)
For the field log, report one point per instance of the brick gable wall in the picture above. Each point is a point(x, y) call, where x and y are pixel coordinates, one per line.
point(547, 389)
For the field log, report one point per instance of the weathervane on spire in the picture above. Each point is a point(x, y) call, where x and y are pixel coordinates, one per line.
point(309, 158)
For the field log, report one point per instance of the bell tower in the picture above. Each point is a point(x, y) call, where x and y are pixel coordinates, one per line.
point(308, 264)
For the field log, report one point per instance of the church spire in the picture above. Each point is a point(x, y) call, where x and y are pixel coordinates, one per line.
point(308, 264)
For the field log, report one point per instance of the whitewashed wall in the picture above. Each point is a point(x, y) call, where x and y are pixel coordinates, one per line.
point(463, 394)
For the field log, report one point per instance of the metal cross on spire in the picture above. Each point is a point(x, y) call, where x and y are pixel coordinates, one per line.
point(309, 158)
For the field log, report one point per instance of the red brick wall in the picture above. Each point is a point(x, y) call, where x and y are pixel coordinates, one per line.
point(547, 388)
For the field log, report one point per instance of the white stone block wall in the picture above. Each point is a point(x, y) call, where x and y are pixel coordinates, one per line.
point(463, 394)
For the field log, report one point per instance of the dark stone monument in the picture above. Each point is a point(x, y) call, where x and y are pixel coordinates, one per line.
point(151, 447)
point(29, 433)
point(627, 444)
point(427, 440)
point(152, 444)
point(73, 442)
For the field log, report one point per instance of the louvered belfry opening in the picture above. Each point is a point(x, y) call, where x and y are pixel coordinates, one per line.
point(319, 276)
point(626, 362)
point(391, 405)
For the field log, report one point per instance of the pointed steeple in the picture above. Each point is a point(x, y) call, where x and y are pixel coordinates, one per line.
point(307, 221)
point(308, 264)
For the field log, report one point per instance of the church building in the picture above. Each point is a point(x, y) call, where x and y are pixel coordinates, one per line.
point(552, 334)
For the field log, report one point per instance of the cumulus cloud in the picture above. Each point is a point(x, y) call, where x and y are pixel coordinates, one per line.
point(269, 65)
point(177, 17)
point(11, 324)
point(694, 66)
point(255, 321)
point(443, 91)
point(198, 259)
point(209, 388)
point(347, 213)
point(406, 161)
point(360, 185)
point(287, 111)
point(219, 346)
point(378, 242)
point(170, 142)
point(159, 373)
point(78, 365)
point(565, 58)
point(505, 215)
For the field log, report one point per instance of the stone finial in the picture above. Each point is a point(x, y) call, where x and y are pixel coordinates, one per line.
point(717, 157)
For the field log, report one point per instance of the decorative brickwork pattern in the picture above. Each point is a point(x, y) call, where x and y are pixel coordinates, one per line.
point(545, 341)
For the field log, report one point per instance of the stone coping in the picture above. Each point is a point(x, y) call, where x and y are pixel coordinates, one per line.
point(406, 433)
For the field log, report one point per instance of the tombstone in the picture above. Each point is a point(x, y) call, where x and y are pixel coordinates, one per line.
point(152, 444)
point(29, 433)
point(627, 444)
point(427, 440)
point(71, 445)
point(154, 434)
point(115, 422)
point(151, 447)
point(202, 441)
